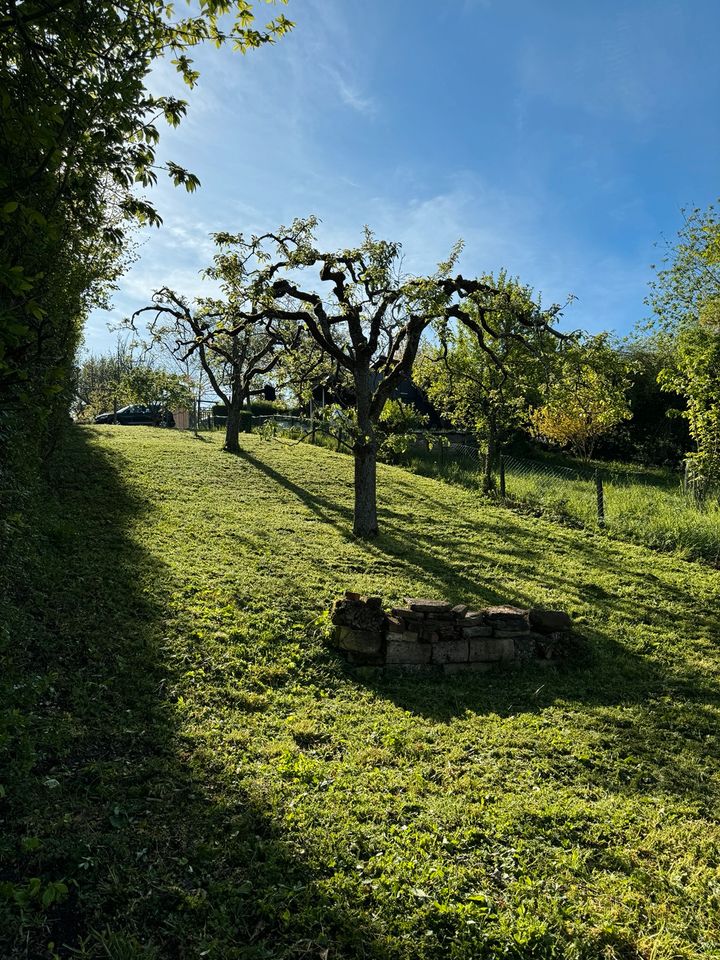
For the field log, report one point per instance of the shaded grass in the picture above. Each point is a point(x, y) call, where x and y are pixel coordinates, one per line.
point(223, 784)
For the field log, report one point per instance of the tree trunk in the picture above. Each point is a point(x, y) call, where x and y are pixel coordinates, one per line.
point(232, 427)
point(365, 519)
point(365, 453)
point(487, 483)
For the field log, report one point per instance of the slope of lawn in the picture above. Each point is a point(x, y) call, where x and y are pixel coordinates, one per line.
point(645, 506)
point(187, 771)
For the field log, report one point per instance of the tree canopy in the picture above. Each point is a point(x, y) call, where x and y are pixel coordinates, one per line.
point(486, 387)
point(78, 137)
point(233, 352)
point(586, 398)
point(687, 285)
point(685, 299)
point(364, 315)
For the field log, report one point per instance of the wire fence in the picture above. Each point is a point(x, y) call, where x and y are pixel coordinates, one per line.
point(660, 508)
point(557, 486)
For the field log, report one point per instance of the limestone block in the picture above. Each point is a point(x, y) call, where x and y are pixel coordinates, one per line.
point(506, 616)
point(405, 613)
point(481, 630)
point(441, 619)
point(473, 618)
point(418, 605)
point(512, 631)
point(507, 621)
point(450, 651)
point(361, 641)
point(504, 610)
point(407, 636)
point(488, 649)
point(357, 614)
point(374, 602)
point(400, 652)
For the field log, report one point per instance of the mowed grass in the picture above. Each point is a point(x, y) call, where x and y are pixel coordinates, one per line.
point(189, 772)
point(647, 507)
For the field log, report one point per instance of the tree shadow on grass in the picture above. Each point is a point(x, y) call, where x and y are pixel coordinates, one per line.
point(673, 704)
point(168, 851)
point(162, 855)
point(325, 509)
point(448, 570)
point(427, 556)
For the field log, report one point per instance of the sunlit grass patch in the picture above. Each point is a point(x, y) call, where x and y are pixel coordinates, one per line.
point(647, 507)
point(222, 785)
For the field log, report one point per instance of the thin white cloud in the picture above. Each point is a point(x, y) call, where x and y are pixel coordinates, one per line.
point(500, 230)
point(257, 134)
point(350, 95)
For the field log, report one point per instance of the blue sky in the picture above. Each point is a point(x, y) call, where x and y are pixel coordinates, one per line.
point(559, 139)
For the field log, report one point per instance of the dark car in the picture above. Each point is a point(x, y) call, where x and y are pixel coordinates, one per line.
point(138, 415)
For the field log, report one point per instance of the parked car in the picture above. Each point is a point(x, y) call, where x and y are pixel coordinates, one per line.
point(138, 414)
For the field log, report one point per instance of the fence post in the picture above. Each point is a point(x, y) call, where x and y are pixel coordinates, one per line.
point(600, 499)
point(502, 476)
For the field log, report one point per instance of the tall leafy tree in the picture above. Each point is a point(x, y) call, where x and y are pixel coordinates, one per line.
point(99, 381)
point(106, 382)
point(685, 298)
point(657, 433)
point(78, 134)
point(487, 387)
point(686, 289)
point(162, 350)
point(363, 313)
point(158, 388)
point(587, 397)
point(234, 352)
point(694, 372)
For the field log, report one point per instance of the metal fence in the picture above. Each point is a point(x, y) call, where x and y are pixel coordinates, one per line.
point(604, 497)
point(513, 478)
point(518, 475)
point(595, 496)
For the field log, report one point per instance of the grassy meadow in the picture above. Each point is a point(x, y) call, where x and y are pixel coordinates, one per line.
point(187, 770)
point(645, 506)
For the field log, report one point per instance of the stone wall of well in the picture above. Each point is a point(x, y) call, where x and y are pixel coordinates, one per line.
point(425, 634)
